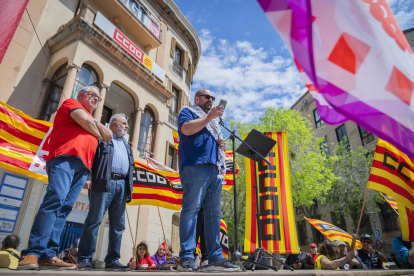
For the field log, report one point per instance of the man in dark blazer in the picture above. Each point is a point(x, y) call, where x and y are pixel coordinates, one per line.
point(110, 188)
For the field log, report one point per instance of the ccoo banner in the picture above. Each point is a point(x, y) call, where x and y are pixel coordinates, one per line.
point(276, 217)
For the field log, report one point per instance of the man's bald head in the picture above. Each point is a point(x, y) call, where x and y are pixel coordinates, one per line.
point(201, 100)
point(202, 92)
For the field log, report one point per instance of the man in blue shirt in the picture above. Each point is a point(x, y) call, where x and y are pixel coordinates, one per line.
point(404, 251)
point(201, 166)
point(110, 188)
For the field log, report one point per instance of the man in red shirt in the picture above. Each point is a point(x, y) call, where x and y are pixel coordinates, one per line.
point(73, 143)
point(314, 251)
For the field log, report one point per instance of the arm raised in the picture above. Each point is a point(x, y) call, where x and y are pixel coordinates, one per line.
point(194, 126)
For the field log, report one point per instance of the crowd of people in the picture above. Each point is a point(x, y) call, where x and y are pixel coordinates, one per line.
point(85, 154)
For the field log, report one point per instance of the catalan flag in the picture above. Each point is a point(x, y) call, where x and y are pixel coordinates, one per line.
point(390, 201)
point(228, 177)
point(224, 239)
point(276, 216)
point(23, 142)
point(153, 187)
point(392, 173)
point(333, 233)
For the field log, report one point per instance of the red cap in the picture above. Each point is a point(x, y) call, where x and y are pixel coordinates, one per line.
point(313, 244)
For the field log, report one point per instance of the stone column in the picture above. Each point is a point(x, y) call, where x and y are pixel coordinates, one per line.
point(135, 132)
point(157, 142)
point(69, 83)
point(98, 111)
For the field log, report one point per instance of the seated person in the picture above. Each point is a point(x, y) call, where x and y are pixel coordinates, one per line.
point(141, 259)
point(368, 257)
point(70, 255)
point(9, 256)
point(314, 251)
point(159, 257)
point(300, 261)
point(343, 251)
point(328, 254)
point(404, 251)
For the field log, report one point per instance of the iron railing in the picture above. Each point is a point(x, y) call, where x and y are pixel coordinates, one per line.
point(173, 118)
point(178, 69)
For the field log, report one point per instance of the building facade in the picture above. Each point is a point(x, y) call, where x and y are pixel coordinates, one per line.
point(142, 54)
point(356, 136)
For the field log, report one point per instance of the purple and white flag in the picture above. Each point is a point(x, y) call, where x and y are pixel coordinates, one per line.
point(355, 60)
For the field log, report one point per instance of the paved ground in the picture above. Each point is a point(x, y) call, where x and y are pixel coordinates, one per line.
point(249, 273)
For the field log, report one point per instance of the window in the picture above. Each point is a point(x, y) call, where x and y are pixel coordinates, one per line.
point(302, 237)
point(341, 134)
point(177, 55)
point(318, 120)
point(146, 133)
point(172, 158)
point(87, 76)
point(338, 220)
point(366, 136)
point(106, 115)
point(324, 146)
point(55, 90)
point(388, 217)
point(174, 104)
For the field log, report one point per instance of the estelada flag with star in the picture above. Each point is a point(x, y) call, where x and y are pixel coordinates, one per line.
point(392, 173)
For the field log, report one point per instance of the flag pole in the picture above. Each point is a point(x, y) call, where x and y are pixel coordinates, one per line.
point(162, 227)
point(129, 224)
point(136, 230)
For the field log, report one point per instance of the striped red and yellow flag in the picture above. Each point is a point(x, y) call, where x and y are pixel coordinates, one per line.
point(390, 201)
point(176, 141)
point(224, 239)
point(392, 173)
point(277, 219)
point(153, 187)
point(24, 142)
point(333, 233)
point(228, 177)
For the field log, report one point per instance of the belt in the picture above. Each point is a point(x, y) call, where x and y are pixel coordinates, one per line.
point(117, 176)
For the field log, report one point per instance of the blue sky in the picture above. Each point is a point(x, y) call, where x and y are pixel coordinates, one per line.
point(244, 61)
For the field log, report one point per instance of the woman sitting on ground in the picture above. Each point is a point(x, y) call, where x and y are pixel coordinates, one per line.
point(328, 252)
point(141, 259)
point(159, 257)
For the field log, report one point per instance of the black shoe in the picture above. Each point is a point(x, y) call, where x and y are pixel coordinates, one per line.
point(187, 265)
point(84, 265)
point(222, 267)
point(116, 266)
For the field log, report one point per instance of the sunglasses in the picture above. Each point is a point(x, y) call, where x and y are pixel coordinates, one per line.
point(208, 97)
point(94, 95)
point(368, 242)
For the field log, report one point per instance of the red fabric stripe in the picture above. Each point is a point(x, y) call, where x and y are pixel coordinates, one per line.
point(30, 123)
point(410, 216)
point(253, 218)
point(167, 199)
point(14, 162)
point(283, 192)
point(158, 188)
point(395, 187)
point(337, 234)
point(9, 146)
point(20, 134)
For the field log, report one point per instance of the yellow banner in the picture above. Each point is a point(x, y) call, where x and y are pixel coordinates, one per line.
point(277, 219)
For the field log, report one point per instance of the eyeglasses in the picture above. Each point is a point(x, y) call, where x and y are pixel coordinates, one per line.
point(94, 95)
point(368, 242)
point(208, 97)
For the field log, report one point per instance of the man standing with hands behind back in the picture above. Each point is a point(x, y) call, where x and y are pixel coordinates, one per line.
point(73, 142)
point(201, 165)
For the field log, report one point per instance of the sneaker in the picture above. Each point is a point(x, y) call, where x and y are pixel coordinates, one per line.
point(28, 262)
point(116, 266)
point(55, 263)
point(203, 263)
point(187, 265)
point(84, 264)
point(223, 267)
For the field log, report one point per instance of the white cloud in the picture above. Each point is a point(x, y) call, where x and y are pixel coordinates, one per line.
point(404, 12)
point(249, 78)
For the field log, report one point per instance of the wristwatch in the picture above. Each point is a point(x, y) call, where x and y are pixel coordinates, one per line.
point(96, 121)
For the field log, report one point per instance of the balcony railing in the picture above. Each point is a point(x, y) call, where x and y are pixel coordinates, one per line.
point(173, 118)
point(187, 80)
point(178, 69)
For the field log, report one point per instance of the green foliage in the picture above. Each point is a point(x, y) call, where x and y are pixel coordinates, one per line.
point(352, 166)
point(311, 176)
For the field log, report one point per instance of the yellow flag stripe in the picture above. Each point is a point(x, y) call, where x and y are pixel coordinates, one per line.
point(18, 142)
point(22, 126)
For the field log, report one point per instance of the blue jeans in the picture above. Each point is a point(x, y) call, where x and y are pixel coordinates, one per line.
point(67, 175)
point(201, 186)
point(114, 201)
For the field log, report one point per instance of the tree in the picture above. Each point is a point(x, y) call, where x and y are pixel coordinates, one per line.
point(311, 177)
point(352, 166)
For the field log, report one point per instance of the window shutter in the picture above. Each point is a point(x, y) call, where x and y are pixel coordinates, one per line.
point(192, 73)
point(184, 61)
point(187, 99)
point(172, 47)
point(168, 84)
